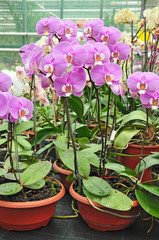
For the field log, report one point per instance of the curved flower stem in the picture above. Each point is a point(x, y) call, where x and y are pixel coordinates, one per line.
point(132, 47)
point(155, 54)
point(97, 96)
point(73, 141)
point(145, 44)
point(142, 149)
point(35, 132)
point(114, 118)
point(53, 104)
point(90, 103)
point(16, 149)
point(137, 33)
point(106, 134)
point(10, 138)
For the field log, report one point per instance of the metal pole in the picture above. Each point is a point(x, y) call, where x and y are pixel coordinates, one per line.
point(24, 20)
point(143, 7)
point(61, 10)
point(101, 9)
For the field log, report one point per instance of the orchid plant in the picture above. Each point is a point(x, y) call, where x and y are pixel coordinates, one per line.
point(12, 109)
point(67, 64)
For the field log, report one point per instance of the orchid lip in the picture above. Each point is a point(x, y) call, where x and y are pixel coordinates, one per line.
point(67, 89)
point(99, 56)
point(104, 38)
point(142, 91)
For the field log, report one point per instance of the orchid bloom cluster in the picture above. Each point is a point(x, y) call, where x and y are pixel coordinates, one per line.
point(146, 84)
point(13, 107)
point(69, 63)
point(41, 94)
point(125, 16)
point(143, 47)
point(152, 18)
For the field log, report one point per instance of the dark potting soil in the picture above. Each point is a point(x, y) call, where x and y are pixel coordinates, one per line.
point(155, 169)
point(50, 189)
point(139, 138)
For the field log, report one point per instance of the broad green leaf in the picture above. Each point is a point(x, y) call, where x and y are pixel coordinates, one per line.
point(97, 186)
point(10, 188)
point(3, 140)
point(148, 162)
point(92, 147)
point(135, 115)
point(71, 178)
point(19, 166)
point(148, 202)
point(45, 133)
point(122, 138)
point(67, 157)
point(115, 200)
point(60, 145)
point(83, 164)
point(83, 132)
point(96, 130)
point(120, 168)
point(2, 171)
point(76, 105)
point(35, 172)
point(24, 126)
point(83, 141)
point(37, 185)
point(26, 153)
point(23, 142)
point(45, 148)
point(11, 176)
point(20, 147)
point(150, 188)
point(92, 158)
point(3, 127)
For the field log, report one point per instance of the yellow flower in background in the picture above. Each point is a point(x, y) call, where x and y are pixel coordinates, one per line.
point(125, 16)
point(120, 16)
point(152, 18)
point(125, 38)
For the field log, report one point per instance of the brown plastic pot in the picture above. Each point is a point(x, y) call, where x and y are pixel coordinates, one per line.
point(24, 216)
point(132, 162)
point(63, 173)
point(106, 219)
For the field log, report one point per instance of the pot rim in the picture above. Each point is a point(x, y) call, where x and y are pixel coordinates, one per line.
point(85, 200)
point(61, 170)
point(140, 146)
point(33, 204)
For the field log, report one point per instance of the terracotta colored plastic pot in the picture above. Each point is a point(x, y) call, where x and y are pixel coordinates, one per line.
point(102, 221)
point(23, 216)
point(131, 162)
point(63, 173)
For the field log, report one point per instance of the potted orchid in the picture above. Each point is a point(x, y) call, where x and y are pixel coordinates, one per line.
point(137, 133)
point(22, 179)
point(68, 65)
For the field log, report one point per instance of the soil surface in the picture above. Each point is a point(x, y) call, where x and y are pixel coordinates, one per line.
point(50, 189)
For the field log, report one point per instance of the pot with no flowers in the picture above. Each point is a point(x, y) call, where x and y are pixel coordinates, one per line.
point(136, 138)
point(27, 197)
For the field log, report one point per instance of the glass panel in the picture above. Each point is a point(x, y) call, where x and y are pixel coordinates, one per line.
point(21, 16)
